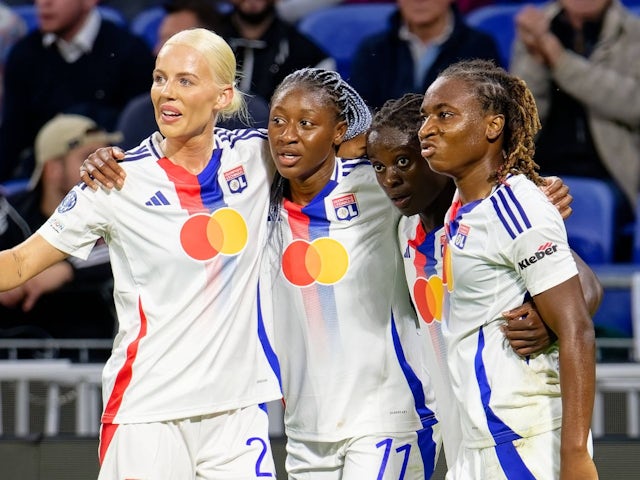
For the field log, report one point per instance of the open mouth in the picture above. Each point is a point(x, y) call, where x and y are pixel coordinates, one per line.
point(288, 159)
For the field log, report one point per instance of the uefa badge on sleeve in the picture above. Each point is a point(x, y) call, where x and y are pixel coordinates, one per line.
point(346, 207)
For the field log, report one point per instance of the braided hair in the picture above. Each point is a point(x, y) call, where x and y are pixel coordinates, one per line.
point(502, 93)
point(402, 113)
point(349, 105)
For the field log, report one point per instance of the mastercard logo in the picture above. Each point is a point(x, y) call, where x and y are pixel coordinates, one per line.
point(323, 260)
point(428, 296)
point(204, 236)
point(447, 274)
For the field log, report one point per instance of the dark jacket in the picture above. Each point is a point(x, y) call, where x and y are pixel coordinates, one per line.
point(280, 51)
point(383, 67)
point(39, 84)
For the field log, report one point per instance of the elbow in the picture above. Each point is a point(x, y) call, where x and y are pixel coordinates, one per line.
point(594, 298)
point(585, 335)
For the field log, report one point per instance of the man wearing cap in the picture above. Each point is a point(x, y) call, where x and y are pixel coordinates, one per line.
point(73, 287)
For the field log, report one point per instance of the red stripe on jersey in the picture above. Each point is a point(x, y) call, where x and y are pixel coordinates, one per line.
point(107, 432)
point(420, 260)
point(187, 186)
point(124, 375)
point(299, 224)
point(298, 221)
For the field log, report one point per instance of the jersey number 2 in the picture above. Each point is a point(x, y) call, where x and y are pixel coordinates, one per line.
point(260, 473)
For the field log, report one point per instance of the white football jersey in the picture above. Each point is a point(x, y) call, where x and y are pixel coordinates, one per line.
point(422, 254)
point(347, 337)
point(500, 250)
point(185, 253)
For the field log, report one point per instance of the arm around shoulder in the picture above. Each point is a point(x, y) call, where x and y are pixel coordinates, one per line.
point(591, 286)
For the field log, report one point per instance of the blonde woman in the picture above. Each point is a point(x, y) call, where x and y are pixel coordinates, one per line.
point(190, 367)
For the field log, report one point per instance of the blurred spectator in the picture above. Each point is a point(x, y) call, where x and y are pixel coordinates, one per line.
point(580, 60)
point(12, 28)
point(293, 10)
point(267, 48)
point(423, 38)
point(73, 287)
point(75, 62)
point(183, 14)
point(137, 121)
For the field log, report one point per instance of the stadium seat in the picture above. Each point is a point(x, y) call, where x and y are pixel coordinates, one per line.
point(591, 226)
point(340, 29)
point(113, 14)
point(636, 235)
point(618, 313)
point(146, 23)
point(29, 15)
point(10, 187)
point(498, 21)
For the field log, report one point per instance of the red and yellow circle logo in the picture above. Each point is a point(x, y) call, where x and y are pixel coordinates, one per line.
point(447, 270)
point(428, 295)
point(323, 260)
point(205, 236)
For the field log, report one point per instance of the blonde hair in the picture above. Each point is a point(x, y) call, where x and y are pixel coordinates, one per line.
point(221, 61)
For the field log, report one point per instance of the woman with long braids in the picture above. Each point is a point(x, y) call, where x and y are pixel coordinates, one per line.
point(423, 196)
point(357, 400)
point(522, 418)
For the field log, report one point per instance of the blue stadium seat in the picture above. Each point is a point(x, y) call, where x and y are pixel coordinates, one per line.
point(498, 21)
point(615, 316)
point(636, 235)
point(591, 226)
point(113, 14)
point(340, 29)
point(29, 15)
point(12, 186)
point(146, 23)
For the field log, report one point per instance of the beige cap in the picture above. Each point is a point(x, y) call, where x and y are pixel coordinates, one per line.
point(63, 133)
